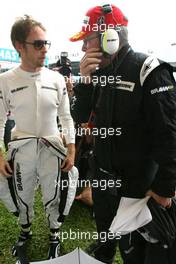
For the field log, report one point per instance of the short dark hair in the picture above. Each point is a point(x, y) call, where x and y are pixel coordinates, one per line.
point(22, 27)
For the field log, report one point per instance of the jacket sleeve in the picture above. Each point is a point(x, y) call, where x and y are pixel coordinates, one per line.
point(160, 112)
point(81, 104)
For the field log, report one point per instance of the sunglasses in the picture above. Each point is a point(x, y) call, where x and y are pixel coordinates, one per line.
point(39, 44)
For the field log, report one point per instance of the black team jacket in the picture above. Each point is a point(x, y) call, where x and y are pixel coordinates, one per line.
point(139, 97)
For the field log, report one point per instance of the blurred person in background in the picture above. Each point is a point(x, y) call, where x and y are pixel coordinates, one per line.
point(63, 66)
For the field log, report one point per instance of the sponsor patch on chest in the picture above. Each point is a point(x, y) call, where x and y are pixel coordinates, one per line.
point(127, 86)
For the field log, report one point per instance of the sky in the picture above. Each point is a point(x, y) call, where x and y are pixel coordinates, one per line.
point(152, 23)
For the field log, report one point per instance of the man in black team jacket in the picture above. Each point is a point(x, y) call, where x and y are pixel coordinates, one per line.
point(137, 97)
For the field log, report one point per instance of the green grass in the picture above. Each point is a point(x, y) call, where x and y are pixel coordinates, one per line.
point(79, 220)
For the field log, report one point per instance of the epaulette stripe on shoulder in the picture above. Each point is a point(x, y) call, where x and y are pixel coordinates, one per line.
point(148, 66)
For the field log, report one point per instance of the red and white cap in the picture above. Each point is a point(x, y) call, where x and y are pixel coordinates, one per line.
point(96, 16)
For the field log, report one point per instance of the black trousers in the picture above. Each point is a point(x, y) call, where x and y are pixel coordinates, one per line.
point(105, 207)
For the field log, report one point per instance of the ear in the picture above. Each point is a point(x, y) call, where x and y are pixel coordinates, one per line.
point(19, 47)
point(110, 41)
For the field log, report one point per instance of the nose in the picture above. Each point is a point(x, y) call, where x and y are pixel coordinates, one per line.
point(45, 48)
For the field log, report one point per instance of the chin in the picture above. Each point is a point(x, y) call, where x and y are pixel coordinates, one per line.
point(41, 64)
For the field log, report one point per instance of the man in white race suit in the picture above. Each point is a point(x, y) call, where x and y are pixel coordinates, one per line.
point(36, 96)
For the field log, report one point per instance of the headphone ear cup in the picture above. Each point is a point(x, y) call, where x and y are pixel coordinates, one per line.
point(110, 41)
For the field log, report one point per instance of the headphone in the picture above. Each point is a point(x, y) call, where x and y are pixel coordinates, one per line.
point(109, 39)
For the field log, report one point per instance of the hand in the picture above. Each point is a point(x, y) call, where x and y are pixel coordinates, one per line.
point(85, 196)
point(5, 169)
point(68, 162)
point(164, 201)
point(89, 63)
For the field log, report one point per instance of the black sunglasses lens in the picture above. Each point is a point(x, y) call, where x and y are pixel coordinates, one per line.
point(38, 44)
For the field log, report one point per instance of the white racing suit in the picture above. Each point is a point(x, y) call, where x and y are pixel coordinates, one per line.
point(33, 157)
point(36, 149)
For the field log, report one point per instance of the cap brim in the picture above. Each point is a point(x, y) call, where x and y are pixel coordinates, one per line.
point(79, 36)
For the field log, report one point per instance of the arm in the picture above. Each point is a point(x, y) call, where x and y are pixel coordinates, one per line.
point(160, 111)
point(81, 104)
point(67, 126)
point(4, 166)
